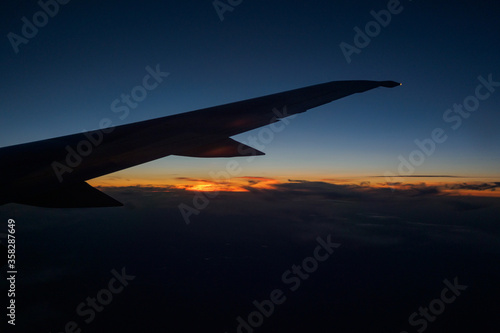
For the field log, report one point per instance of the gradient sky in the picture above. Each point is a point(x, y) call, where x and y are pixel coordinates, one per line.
point(65, 78)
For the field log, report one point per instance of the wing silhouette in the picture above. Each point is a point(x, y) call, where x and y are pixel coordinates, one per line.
point(53, 172)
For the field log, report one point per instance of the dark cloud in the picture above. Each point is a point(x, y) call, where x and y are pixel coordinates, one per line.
point(419, 176)
point(321, 205)
point(476, 187)
point(237, 247)
point(256, 180)
point(302, 189)
point(194, 179)
point(422, 189)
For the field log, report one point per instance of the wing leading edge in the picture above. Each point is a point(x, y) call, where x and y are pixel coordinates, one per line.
point(52, 172)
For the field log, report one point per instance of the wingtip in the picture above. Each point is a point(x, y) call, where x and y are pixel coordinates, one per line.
point(390, 84)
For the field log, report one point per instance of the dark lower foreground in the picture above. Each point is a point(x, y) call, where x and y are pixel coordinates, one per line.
point(393, 258)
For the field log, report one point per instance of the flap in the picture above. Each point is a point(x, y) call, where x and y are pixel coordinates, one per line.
point(222, 148)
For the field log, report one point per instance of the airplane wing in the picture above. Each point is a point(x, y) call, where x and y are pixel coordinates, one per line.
point(53, 172)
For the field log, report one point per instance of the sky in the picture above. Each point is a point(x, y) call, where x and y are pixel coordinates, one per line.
point(386, 198)
point(64, 80)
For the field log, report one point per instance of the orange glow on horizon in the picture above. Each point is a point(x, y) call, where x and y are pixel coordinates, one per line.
point(247, 183)
point(214, 187)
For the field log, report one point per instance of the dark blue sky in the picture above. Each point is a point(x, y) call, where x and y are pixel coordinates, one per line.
point(66, 77)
